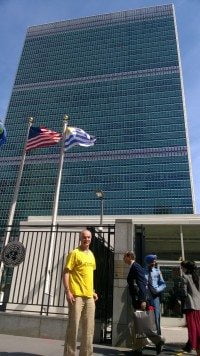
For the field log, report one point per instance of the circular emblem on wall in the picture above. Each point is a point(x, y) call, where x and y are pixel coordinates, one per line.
point(13, 254)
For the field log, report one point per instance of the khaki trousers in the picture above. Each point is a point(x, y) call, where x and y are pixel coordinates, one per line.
point(82, 310)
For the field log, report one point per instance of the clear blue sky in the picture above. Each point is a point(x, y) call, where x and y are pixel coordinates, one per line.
point(17, 15)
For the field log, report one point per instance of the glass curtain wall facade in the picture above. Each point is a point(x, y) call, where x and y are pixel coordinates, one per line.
point(118, 77)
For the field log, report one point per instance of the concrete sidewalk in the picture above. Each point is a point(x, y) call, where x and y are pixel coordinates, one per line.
point(26, 346)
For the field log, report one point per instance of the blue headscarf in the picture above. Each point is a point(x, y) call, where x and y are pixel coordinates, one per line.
point(150, 258)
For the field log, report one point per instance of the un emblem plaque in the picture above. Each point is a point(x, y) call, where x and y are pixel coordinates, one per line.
point(13, 254)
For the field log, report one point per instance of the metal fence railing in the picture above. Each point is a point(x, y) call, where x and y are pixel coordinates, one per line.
point(23, 288)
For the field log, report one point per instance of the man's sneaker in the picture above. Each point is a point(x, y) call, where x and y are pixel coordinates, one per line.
point(159, 347)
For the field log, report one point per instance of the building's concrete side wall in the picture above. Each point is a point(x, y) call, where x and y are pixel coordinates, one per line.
point(38, 326)
point(121, 303)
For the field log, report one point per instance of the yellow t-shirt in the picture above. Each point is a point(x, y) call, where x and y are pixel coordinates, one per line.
point(81, 266)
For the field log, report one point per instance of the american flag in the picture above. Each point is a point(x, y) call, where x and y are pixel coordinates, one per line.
point(41, 137)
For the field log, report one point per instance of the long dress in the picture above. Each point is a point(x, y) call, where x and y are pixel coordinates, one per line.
point(191, 308)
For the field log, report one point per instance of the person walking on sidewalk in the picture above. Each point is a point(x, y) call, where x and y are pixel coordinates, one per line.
point(156, 285)
point(138, 290)
point(78, 284)
point(190, 291)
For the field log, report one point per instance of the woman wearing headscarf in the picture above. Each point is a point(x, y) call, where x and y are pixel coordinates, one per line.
point(190, 290)
point(156, 285)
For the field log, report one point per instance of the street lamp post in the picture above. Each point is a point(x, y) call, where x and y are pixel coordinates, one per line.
point(100, 196)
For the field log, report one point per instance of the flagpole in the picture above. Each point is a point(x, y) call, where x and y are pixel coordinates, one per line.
point(16, 192)
point(55, 210)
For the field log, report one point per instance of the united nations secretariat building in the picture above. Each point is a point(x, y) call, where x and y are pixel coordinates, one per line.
point(118, 76)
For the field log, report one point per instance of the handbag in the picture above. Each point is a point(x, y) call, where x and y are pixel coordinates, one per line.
point(144, 324)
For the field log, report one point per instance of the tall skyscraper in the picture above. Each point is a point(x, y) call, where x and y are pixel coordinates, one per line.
point(118, 77)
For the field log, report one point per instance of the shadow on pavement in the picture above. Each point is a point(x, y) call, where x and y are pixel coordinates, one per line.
point(18, 354)
point(109, 352)
point(169, 349)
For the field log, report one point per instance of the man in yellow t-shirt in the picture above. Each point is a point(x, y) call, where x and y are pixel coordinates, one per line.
point(78, 284)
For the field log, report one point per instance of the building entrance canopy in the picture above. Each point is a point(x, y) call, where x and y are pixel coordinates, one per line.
point(170, 237)
point(173, 242)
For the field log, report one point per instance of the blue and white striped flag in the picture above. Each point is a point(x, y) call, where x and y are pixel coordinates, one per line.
point(3, 134)
point(76, 136)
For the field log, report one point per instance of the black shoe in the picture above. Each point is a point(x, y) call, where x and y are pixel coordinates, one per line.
point(137, 352)
point(187, 347)
point(159, 347)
